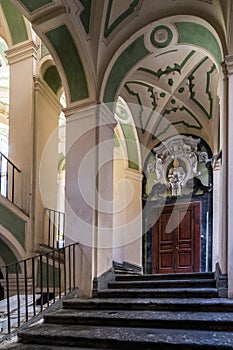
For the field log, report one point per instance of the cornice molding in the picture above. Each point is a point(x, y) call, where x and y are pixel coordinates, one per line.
point(22, 52)
point(72, 110)
point(132, 174)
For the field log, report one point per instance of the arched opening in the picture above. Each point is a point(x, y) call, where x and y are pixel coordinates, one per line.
point(177, 201)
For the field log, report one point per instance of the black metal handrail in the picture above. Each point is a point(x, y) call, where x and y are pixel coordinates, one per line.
point(34, 284)
point(54, 224)
point(7, 177)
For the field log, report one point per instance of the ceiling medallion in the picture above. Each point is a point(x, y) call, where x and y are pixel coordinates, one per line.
point(161, 36)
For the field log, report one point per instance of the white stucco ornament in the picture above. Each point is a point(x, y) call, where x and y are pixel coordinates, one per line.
point(176, 162)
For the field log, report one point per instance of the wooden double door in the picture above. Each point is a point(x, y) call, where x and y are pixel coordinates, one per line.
point(176, 238)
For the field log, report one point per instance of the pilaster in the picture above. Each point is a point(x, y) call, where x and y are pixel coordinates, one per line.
point(89, 189)
point(227, 163)
point(45, 157)
point(22, 61)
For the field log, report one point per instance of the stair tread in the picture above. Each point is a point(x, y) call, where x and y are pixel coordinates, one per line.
point(144, 315)
point(147, 302)
point(158, 289)
point(20, 346)
point(77, 335)
point(140, 284)
point(174, 276)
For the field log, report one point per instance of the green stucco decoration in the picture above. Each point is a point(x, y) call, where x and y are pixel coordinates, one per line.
point(68, 54)
point(161, 36)
point(8, 256)
point(196, 125)
point(208, 113)
point(177, 67)
point(108, 29)
point(131, 145)
point(85, 14)
point(152, 95)
point(13, 223)
point(135, 52)
point(33, 5)
point(15, 22)
point(52, 78)
point(197, 35)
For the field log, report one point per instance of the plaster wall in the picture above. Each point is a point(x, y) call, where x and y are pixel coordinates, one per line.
point(45, 157)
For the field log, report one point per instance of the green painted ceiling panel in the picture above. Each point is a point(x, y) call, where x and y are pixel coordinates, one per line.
point(13, 223)
point(15, 22)
point(33, 5)
point(129, 57)
point(85, 15)
point(53, 79)
point(7, 255)
point(196, 34)
point(66, 49)
point(109, 28)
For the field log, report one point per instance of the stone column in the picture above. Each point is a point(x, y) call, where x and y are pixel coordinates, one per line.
point(217, 231)
point(227, 164)
point(89, 190)
point(45, 158)
point(22, 59)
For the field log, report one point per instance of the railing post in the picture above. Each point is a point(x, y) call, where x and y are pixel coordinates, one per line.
point(41, 282)
point(17, 289)
point(54, 278)
point(8, 301)
point(33, 286)
point(47, 277)
point(26, 289)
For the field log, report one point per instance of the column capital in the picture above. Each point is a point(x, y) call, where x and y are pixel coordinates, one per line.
point(133, 174)
point(22, 52)
point(91, 110)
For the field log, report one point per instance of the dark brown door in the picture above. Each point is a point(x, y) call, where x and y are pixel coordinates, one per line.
point(176, 239)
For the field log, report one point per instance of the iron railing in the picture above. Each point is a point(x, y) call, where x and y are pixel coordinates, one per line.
point(54, 228)
point(8, 171)
point(34, 284)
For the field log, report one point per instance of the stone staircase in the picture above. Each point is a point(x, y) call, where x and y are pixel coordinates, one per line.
point(139, 312)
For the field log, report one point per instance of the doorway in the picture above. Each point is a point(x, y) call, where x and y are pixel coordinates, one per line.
point(176, 238)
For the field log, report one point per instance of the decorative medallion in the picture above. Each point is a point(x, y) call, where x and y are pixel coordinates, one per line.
point(161, 36)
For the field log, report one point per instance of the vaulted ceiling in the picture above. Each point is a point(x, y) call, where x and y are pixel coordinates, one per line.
point(163, 57)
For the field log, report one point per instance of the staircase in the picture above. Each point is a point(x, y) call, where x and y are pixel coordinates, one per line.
point(139, 312)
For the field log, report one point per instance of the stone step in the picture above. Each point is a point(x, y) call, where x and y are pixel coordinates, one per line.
point(169, 304)
point(159, 293)
point(172, 276)
point(194, 283)
point(20, 346)
point(126, 337)
point(219, 321)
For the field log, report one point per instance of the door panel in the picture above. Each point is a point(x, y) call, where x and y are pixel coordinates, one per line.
point(176, 239)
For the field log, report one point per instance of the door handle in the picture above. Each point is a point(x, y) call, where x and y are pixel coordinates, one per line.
point(177, 248)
